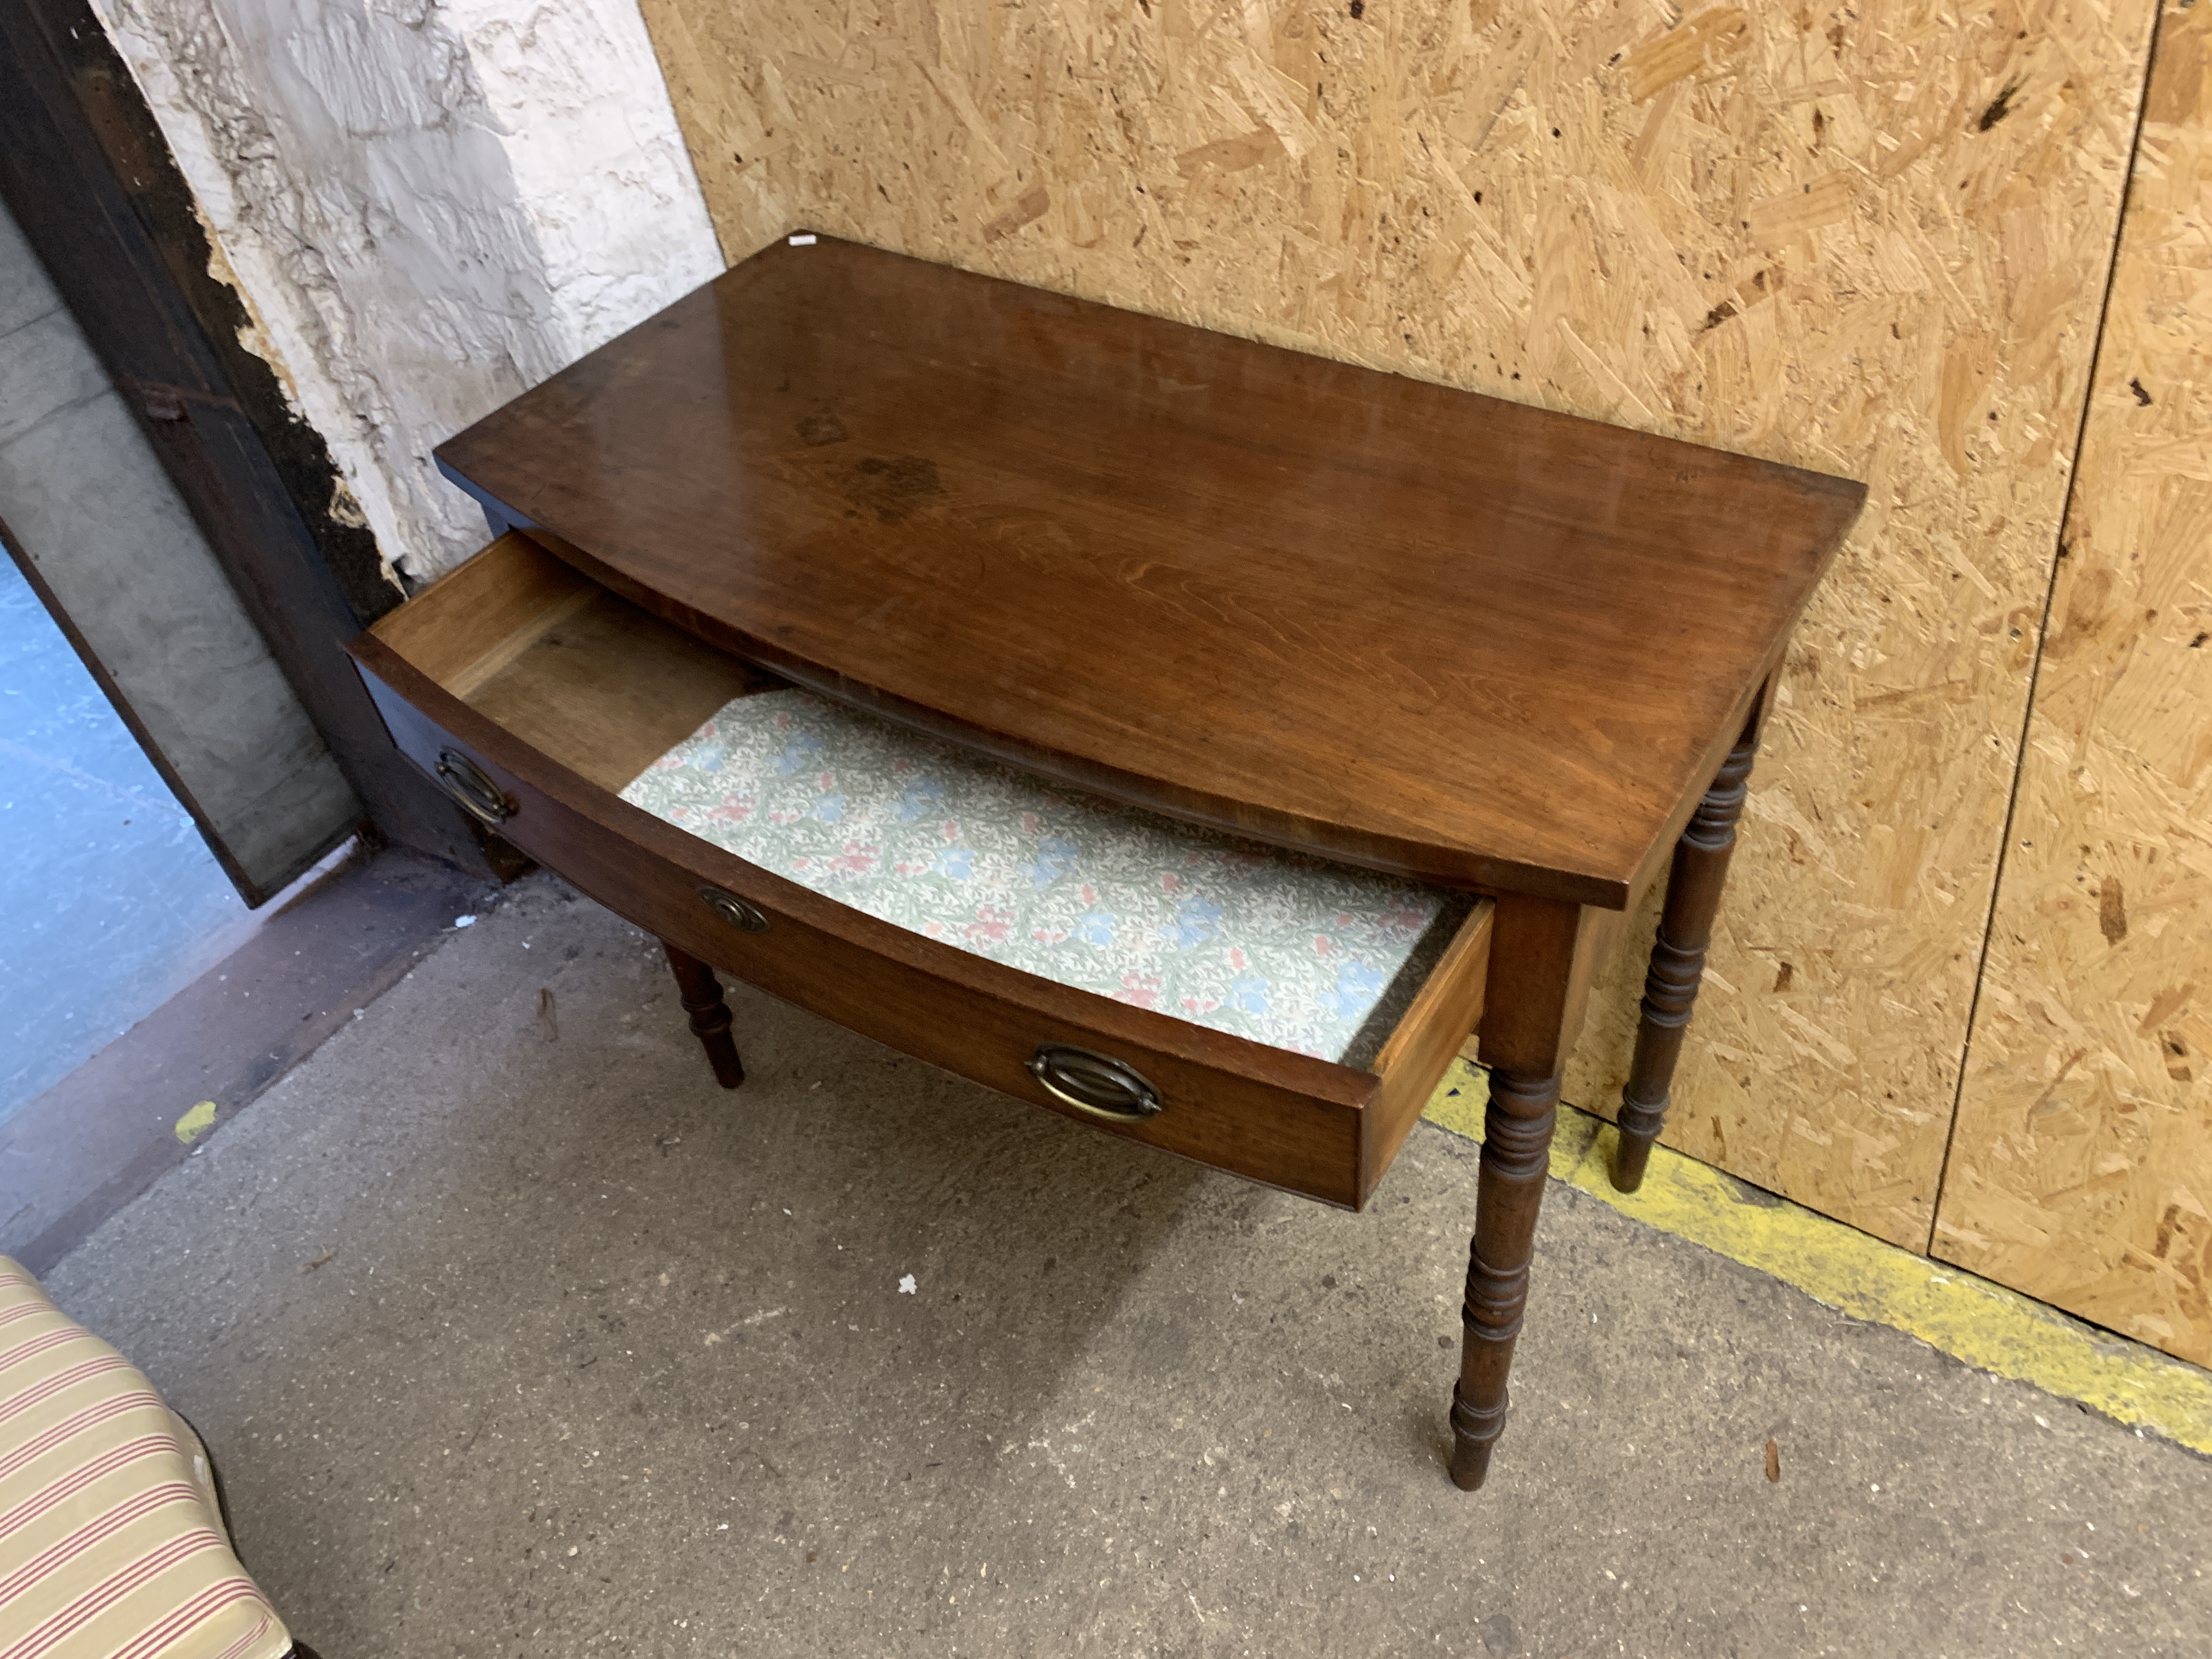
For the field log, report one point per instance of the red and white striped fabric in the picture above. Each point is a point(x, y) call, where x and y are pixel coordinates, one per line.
point(111, 1544)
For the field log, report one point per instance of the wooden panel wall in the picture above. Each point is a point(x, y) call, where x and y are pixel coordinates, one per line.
point(1866, 239)
point(2082, 1171)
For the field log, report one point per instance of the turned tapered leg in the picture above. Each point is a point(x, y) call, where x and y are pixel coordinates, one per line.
point(1516, 1155)
point(1540, 956)
point(1678, 958)
point(710, 1015)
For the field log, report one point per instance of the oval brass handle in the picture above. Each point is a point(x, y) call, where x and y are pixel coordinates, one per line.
point(464, 780)
point(734, 910)
point(1097, 1084)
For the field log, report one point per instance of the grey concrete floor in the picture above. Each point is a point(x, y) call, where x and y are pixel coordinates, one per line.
point(600, 1359)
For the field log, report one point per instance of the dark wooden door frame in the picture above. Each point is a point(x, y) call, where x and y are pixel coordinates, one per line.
point(90, 180)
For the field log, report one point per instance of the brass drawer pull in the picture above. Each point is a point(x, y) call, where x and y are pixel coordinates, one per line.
point(464, 780)
point(734, 910)
point(1097, 1084)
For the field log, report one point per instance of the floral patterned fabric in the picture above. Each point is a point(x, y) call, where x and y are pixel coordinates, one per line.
point(1281, 949)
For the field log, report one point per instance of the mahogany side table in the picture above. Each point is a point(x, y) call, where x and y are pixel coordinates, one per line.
point(1510, 660)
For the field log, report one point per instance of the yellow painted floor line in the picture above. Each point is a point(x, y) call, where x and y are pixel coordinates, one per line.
point(1969, 1318)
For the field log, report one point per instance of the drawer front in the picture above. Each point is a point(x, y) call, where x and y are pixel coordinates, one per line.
point(1284, 1119)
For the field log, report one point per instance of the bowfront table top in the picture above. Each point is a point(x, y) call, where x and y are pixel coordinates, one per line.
point(1412, 628)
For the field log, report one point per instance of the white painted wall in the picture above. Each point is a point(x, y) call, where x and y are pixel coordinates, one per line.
point(430, 206)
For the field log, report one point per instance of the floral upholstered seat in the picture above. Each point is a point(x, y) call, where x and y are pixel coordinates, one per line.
point(1284, 950)
point(111, 1545)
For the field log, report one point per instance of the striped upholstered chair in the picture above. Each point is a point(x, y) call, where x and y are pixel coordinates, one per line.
point(112, 1542)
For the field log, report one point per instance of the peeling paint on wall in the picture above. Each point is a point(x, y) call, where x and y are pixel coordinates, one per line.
point(426, 208)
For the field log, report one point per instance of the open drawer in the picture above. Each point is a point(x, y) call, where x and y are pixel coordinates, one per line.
point(670, 781)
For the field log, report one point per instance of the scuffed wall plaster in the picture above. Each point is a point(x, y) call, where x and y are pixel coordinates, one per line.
point(428, 208)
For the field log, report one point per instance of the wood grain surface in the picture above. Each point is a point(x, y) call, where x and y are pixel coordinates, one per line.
point(2081, 1169)
point(1424, 629)
point(1869, 241)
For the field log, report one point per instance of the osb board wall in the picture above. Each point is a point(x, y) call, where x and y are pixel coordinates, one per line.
point(2081, 1170)
point(1867, 240)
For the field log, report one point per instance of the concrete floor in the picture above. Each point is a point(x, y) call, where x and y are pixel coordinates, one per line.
point(515, 1335)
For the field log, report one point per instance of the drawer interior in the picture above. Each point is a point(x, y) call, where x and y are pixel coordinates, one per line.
point(578, 673)
point(1273, 947)
point(1368, 971)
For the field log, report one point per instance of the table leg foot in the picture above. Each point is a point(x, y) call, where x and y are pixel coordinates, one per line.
point(1473, 1433)
point(702, 994)
point(1633, 1153)
point(1516, 1159)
